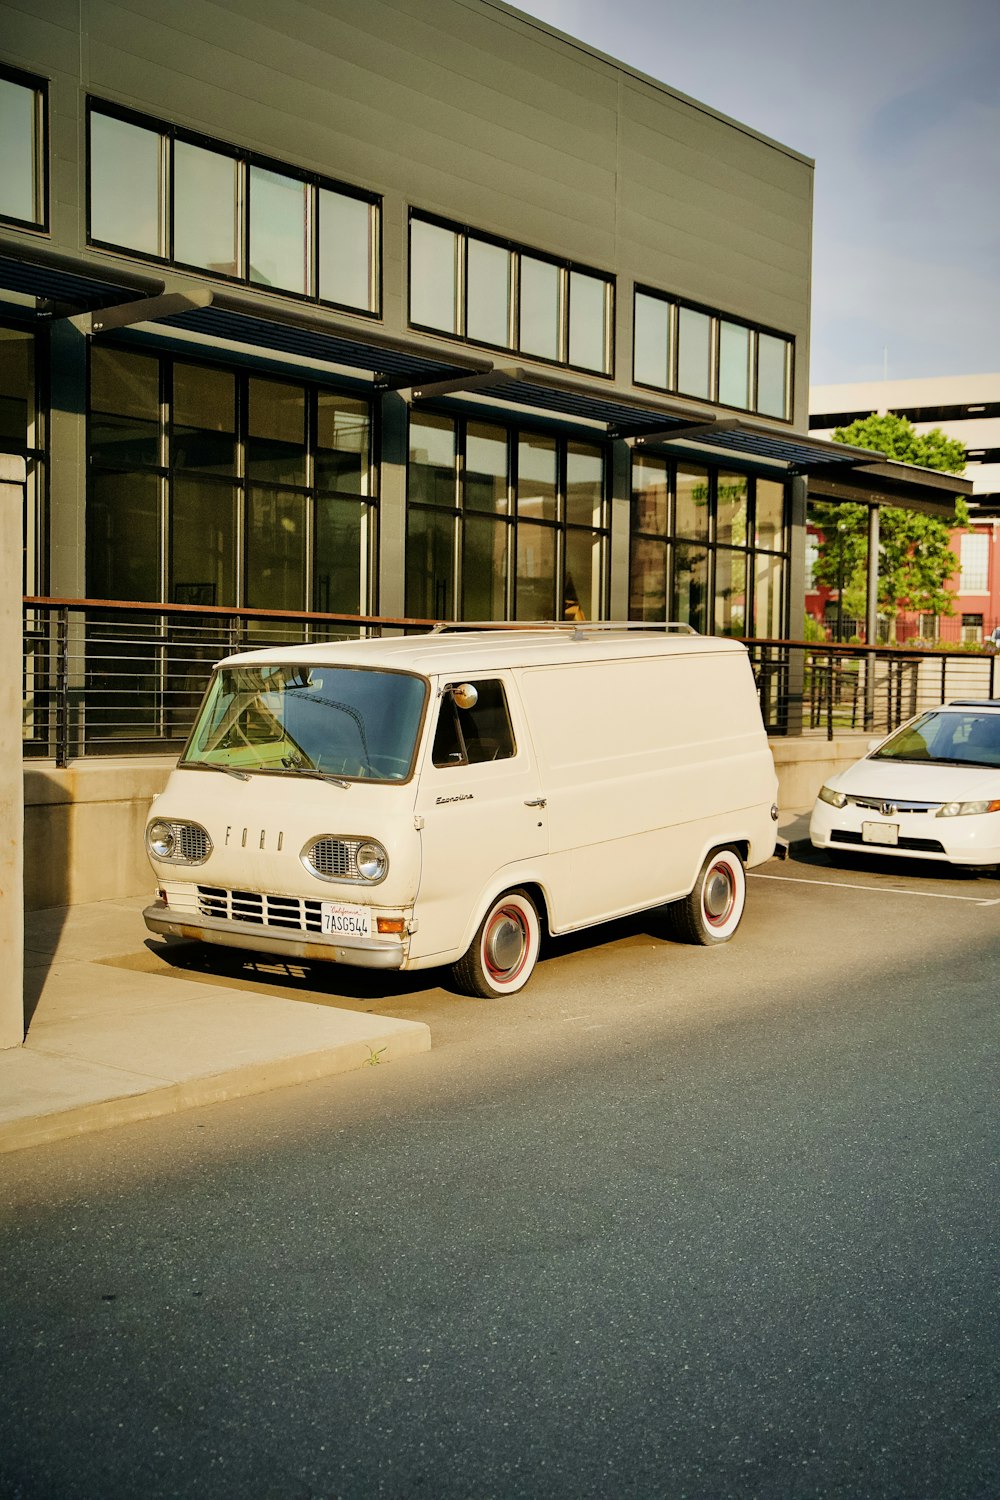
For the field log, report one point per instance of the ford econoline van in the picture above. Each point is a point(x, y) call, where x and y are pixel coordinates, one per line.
point(440, 799)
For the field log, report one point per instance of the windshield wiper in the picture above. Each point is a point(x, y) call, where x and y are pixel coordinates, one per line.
point(215, 765)
point(318, 775)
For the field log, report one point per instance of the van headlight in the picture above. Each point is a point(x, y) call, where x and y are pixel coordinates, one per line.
point(373, 862)
point(966, 809)
point(178, 843)
point(835, 798)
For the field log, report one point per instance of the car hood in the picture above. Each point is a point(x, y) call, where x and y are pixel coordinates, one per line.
point(898, 780)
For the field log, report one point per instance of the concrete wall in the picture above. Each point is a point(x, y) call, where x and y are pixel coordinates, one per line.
point(11, 806)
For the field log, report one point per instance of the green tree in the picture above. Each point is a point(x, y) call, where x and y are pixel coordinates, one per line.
point(915, 559)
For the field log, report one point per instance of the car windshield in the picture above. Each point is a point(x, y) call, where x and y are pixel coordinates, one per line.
point(953, 737)
point(342, 722)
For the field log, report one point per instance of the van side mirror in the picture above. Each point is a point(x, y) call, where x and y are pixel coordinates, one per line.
point(465, 694)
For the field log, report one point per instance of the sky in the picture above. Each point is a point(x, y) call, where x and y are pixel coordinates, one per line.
point(898, 103)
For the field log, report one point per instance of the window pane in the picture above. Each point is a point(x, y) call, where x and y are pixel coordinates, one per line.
point(432, 461)
point(484, 569)
point(770, 512)
point(767, 596)
point(488, 293)
point(731, 509)
point(692, 503)
point(536, 573)
point(772, 375)
point(347, 241)
point(651, 352)
point(430, 564)
point(126, 190)
point(540, 308)
point(588, 301)
point(124, 408)
point(648, 580)
point(734, 365)
point(690, 591)
point(202, 542)
point(485, 469)
point(277, 432)
point(975, 563)
point(650, 491)
point(582, 585)
point(279, 231)
point(17, 388)
point(536, 478)
point(206, 210)
point(433, 276)
point(341, 556)
point(276, 550)
point(730, 592)
point(123, 537)
point(694, 330)
point(19, 191)
point(584, 485)
point(204, 419)
point(342, 434)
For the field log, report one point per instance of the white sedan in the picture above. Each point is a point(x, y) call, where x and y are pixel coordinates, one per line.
point(929, 791)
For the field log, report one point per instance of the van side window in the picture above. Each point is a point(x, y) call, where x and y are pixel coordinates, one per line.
point(469, 736)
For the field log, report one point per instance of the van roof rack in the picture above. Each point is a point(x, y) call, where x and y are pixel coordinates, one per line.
point(576, 628)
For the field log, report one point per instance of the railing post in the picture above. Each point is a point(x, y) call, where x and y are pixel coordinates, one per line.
point(62, 688)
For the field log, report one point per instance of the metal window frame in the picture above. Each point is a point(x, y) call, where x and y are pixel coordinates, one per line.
point(39, 148)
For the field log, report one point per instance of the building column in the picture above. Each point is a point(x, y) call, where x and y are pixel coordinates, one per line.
point(393, 449)
point(621, 525)
point(12, 490)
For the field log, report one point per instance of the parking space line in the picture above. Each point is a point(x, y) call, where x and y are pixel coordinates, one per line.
point(846, 885)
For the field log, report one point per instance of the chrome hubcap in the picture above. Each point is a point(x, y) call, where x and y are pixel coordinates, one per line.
point(718, 898)
point(506, 944)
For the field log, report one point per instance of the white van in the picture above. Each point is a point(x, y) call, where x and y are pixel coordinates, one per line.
point(437, 799)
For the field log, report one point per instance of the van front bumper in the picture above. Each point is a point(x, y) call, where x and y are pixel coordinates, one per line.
point(370, 954)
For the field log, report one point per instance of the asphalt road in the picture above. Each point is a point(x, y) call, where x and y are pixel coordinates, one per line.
point(674, 1222)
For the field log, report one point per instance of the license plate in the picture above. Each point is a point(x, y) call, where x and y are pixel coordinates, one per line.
point(345, 921)
point(880, 833)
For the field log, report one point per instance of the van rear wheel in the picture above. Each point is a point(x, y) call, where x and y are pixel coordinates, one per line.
point(502, 956)
point(712, 912)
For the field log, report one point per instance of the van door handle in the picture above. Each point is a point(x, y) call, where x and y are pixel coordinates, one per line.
point(536, 802)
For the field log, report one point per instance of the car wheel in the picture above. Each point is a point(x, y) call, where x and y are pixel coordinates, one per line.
point(712, 912)
point(504, 951)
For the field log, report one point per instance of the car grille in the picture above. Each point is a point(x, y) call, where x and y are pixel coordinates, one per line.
point(334, 859)
point(916, 846)
point(889, 806)
point(262, 910)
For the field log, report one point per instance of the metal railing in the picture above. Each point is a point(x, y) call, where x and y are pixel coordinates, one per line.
point(108, 678)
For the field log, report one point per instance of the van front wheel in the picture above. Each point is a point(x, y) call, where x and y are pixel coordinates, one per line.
point(503, 953)
point(712, 912)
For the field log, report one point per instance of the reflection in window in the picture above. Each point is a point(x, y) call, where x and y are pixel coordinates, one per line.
point(691, 512)
point(772, 375)
point(734, 365)
point(484, 568)
point(731, 509)
point(536, 477)
point(582, 584)
point(204, 419)
point(341, 444)
point(770, 514)
point(21, 166)
point(689, 602)
point(488, 293)
point(202, 541)
point(694, 331)
point(432, 461)
point(540, 288)
point(276, 550)
point(341, 556)
point(347, 250)
point(124, 408)
point(276, 446)
point(730, 592)
point(206, 209)
point(279, 230)
point(768, 573)
point(17, 387)
point(651, 351)
point(588, 298)
point(433, 276)
point(584, 485)
point(485, 468)
point(126, 185)
point(123, 537)
point(430, 564)
point(536, 571)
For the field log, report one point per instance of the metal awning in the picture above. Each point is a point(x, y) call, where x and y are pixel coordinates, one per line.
point(58, 282)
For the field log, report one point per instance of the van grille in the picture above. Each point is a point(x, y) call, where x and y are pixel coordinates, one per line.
point(261, 909)
point(916, 846)
point(333, 859)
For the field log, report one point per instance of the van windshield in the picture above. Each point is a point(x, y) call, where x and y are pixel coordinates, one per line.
point(340, 721)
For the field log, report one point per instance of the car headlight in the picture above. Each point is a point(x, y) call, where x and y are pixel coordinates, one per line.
point(372, 860)
point(160, 840)
point(835, 798)
point(966, 809)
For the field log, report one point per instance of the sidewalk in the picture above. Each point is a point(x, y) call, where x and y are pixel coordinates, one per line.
point(114, 1037)
point(109, 1043)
